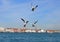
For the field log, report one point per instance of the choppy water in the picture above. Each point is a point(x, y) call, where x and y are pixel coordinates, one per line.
point(29, 37)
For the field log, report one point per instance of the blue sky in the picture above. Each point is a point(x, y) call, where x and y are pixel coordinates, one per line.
point(47, 13)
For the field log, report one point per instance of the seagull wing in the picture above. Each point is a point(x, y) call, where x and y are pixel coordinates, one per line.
point(35, 22)
point(23, 20)
point(33, 25)
point(36, 6)
point(27, 22)
point(33, 9)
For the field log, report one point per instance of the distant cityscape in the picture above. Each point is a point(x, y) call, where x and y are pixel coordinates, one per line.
point(27, 30)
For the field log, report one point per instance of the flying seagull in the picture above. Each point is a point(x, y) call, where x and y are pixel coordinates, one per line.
point(33, 8)
point(33, 25)
point(25, 22)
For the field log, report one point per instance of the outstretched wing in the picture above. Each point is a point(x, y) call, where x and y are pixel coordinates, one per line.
point(33, 9)
point(27, 22)
point(33, 25)
point(25, 25)
point(36, 6)
point(23, 20)
point(35, 22)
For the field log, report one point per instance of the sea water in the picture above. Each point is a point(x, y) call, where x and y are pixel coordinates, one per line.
point(29, 37)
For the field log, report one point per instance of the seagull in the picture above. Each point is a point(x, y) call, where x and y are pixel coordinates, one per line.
point(25, 22)
point(33, 25)
point(33, 8)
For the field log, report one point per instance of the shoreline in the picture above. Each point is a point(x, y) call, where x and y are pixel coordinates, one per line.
point(21, 30)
